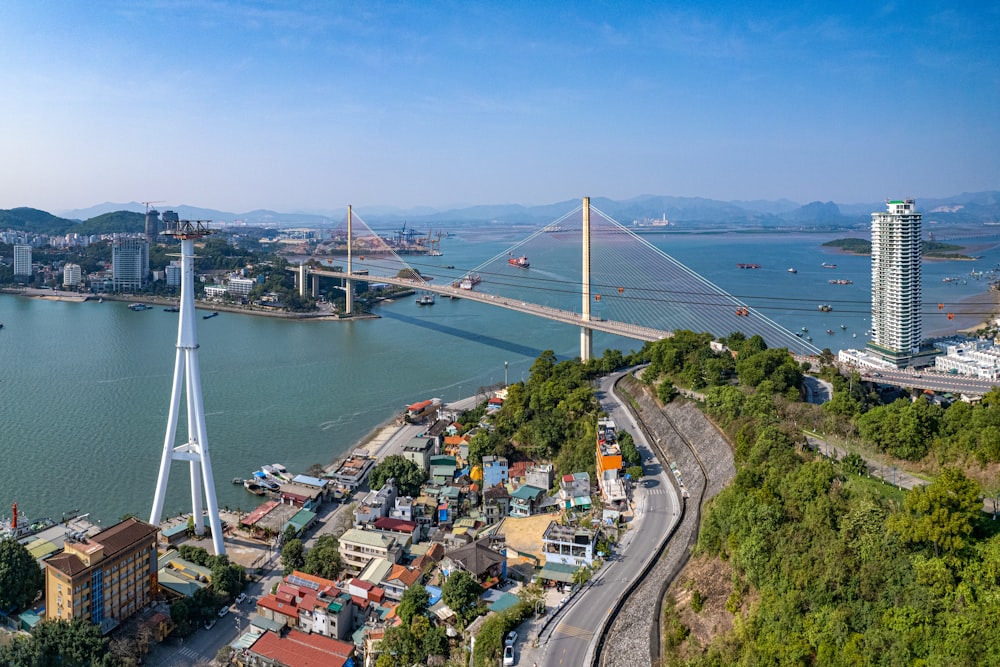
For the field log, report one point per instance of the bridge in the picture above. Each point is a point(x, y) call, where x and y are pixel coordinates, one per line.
point(625, 286)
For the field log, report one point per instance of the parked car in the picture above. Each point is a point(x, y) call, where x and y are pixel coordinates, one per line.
point(223, 611)
point(510, 639)
point(240, 598)
point(209, 624)
point(508, 656)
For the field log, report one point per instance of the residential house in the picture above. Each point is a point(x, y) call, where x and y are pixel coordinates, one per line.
point(407, 532)
point(419, 450)
point(399, 579)
point(403, 509)
point(568, 545)
point(352, 471)
point(443, 468)
point(574, 490)
point(496, 504)
point(297, 649)
point(376, 504)
point(539, 475)
point(358, 547)
point(495, 471)
point(525, 499)
point(478, 560)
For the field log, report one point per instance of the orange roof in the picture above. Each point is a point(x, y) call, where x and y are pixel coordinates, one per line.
point(518, 469)
point(405, 575)
point(419, 406)
point(298, 649)
point(456, 439)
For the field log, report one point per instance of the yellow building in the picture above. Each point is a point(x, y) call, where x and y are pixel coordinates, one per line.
point(103, 579)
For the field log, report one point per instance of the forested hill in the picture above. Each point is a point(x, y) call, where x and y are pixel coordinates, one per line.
point(39, 222)
point(34, 221)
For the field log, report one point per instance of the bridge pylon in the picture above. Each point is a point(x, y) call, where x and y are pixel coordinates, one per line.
point(586, 334)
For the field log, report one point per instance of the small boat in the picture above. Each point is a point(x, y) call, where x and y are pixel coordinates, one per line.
point(828, 266)
point(841, 281)
point(805, 329)
point(205, 317)
point(809, 338)
point(830, 331)
point(748, 266)
point(425, 300)
point(854, 335)
point(172, 309)
point(138, 306)
point(1, 325)
point(825, 307)
point(519, 262)
point(843, 326)
point(101, 300)
point(253, 487)
point(792, 271)
point(237, 480)
point(799, 334)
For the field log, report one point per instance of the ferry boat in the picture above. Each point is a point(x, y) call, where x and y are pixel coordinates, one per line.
point(425, 300)
point(470, 281)
point(205, 317)
point(519, 262)
point(828, 266)
point(841, 281)
point(138, 306)
point(748, 266)
point(792, 270)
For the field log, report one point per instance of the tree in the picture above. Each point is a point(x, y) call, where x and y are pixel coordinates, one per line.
point(323, 559)
point(292, 556)
point(20, 577)
point(75, 643)
point(941, 514)
point(461, 593)
point(408, 475)
point(413, 603)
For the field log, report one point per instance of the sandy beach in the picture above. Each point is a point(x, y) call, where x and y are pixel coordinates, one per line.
point(971, 314)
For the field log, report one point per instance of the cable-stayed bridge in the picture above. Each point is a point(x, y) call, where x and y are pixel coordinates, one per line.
point(584, 269)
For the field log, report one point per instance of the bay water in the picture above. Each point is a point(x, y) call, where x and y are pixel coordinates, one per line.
point(85, 387)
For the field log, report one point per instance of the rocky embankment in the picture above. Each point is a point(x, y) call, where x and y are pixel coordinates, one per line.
point(704, 458)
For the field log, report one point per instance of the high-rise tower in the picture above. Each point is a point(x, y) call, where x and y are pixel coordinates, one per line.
point(187, 375)
point(896, 291)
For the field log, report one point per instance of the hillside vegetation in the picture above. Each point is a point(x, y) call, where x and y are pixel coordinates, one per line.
point(827, 567)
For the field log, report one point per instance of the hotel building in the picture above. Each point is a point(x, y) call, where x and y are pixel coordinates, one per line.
point(103, 579)
point(22, 259)
point(896, 290)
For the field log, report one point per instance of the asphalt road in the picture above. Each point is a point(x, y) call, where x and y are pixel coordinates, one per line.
point(570, 638)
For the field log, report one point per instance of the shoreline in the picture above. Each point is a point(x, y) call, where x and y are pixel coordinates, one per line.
point(970, 315)
point(76, 297)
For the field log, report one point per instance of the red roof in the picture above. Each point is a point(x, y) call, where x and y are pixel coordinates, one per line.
point(398, 525)
point(518, 469)
point(419, 406)
point(567, 478)
point(362, 584)
point(298, 649)
point(259, 513)
point(496, 401)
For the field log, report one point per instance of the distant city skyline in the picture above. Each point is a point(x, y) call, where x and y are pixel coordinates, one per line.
point(308, 107)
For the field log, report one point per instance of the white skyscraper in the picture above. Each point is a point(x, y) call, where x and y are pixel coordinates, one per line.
point(187, 379)
point(129, 263)
point(896, 290)
point(22, 260)
point(72, 275)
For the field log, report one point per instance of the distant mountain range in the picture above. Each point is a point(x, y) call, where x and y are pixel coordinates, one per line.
point(688, 213)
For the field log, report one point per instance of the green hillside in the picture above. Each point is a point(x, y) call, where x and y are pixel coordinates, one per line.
point(34, 220)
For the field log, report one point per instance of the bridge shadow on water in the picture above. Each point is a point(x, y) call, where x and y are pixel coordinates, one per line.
point(505, 345)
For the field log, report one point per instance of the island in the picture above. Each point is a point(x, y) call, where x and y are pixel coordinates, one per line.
point(929, 249)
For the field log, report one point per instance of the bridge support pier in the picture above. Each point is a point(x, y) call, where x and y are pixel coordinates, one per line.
point(302, 280)
point(315, 286)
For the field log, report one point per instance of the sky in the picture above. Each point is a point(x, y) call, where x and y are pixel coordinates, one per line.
point(310, 106)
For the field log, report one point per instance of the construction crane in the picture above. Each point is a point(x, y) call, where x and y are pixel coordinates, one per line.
point(148, 203)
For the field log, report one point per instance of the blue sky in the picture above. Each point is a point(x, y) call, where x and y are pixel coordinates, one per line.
point(310, 106)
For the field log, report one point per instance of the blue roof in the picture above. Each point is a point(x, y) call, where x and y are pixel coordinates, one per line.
point(435, 593)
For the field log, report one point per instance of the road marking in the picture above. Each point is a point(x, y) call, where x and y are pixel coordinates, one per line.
point(574, 631)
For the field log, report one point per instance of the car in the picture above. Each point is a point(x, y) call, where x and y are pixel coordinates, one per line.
point(223, 611)
point(510, 639)
point(240, 598)
point(508, 656)
point(209, 624)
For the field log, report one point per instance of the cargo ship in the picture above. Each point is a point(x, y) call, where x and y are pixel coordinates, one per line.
point(828, 266)
point(519, 262)
point(841, 281)
point(748, 266)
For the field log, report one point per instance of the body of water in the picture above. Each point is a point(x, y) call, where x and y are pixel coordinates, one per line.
point(85, 387)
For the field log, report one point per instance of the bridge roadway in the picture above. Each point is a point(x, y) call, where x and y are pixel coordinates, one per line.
point(624, 329)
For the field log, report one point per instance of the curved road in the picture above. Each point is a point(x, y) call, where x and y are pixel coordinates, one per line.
point(570, 637)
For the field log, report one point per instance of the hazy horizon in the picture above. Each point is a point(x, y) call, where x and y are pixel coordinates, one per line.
point(255, 105)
